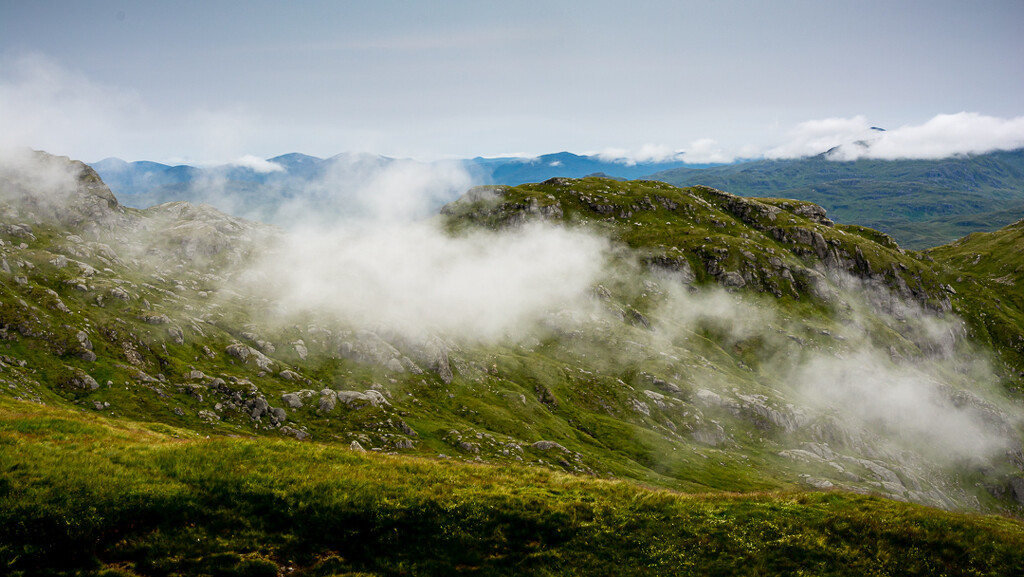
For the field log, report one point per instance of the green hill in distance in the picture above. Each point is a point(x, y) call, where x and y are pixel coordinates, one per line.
point(920, 203)
point(580, 376)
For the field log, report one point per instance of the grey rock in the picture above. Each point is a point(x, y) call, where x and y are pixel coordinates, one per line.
point(657, 398)
point(732, 279)
point(377, 398)
point(259, 407)
point(640, 407)
point(247, 354)
point(157, 319)
point(292, 400)
point(1017, 489)
point(239, 351)
point(82, 380)
point(328, 400)
point(816, 483)
point(176, 334)
point(354, 398)
point(707, 398)
point(548, 445)
point(711, 434)
point(120, 294)
point(297, 433)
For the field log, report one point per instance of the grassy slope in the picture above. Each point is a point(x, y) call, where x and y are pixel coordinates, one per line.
point(85, 494)
point(987, 271)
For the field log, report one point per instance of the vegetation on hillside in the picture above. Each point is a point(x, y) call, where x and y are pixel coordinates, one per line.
point(920, 203)
point(204, 415)
point(84, 495)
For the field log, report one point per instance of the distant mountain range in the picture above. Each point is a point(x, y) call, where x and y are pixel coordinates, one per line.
point(345, 186)
point(921, 203)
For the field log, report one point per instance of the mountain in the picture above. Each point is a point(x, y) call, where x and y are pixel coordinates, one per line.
point(921, 203)
point(550, 378)
point(337, 185)
point(565, 164)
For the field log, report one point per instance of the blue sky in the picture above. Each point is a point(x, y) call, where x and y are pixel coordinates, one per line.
point(212, 81)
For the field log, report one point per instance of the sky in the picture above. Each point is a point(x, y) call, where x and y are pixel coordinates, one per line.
point(213, 81)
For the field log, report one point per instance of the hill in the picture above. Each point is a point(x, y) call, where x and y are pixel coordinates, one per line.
point(921, 203)
point(340, 186)
point(629, 334)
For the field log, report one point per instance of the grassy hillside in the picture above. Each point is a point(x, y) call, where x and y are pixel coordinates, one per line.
point(987, 270)
point(93, 496)
point(193, 412)
point(921, 203)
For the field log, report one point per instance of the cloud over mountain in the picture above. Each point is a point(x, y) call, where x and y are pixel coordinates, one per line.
point(942, 136)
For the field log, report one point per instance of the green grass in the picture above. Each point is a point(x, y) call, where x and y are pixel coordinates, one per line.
point(81, 495)
point(987, 272)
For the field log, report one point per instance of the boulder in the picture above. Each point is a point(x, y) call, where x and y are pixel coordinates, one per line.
point(548, 445)
point(292, 400)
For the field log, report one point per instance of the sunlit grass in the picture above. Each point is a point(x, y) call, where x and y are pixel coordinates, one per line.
point(80, 495)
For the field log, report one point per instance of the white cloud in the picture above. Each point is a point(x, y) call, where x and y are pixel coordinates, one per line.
point(352, 191)
point(415, 279)
point(706, 151)
point(647, 153)
point(46, 106)
point(942, 136)
point(949, 134)
point(257, 164)
point(700, 151)
point(817, 136)
point(914, 409)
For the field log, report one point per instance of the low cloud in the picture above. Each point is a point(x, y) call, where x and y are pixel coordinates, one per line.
point(700, 151)
point(648, 153)
point(368, 191)
point(414, 279)
point(348, 191)
point(257, 164)
point(943, 136)
point(706, 151)
point(817, 136)
point(905, 404)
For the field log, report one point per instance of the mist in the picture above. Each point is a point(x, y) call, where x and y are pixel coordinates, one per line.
point(351, 191)
point(942, 136)
point(413, 279)
point(885, 375)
